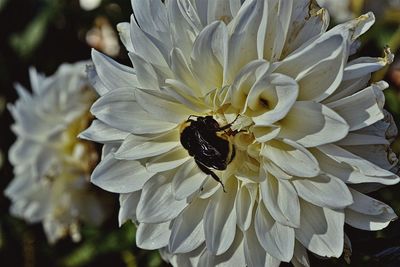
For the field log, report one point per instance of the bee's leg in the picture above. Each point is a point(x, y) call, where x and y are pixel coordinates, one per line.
point(228, 125)
point(206, 170)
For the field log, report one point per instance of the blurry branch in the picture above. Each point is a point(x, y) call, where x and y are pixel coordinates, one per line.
point(24, 43)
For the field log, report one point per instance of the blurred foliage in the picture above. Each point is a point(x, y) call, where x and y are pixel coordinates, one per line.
point(45, 33)
point(27, 41)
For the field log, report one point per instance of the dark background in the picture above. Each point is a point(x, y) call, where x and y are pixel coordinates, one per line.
point(46, 33)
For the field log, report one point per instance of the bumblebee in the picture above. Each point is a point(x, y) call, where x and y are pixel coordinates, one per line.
point(209, 144)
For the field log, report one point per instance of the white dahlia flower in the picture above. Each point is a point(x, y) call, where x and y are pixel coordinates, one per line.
point(51, 165)
point(260, 96)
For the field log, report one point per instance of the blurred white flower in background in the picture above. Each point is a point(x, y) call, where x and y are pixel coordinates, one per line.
point(51, 165)
point(89, 4)
point(309, 136)
point(103, 37)
point(340, 10)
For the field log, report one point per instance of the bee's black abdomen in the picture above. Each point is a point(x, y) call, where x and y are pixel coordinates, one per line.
point(199, 137)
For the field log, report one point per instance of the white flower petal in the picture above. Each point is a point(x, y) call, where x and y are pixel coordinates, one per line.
point(24, 150)
point(363, 66)
point(367, 213)
point(351, 168)
point(112, 74)
point(182, 32)
point(162, 109)
point(183, 73)
point(324, 191)
point(234, 256)
point(187, 230)
point(102, 133)
point(124, 31)
point(355, 139)
point(245, 201)
point(157, 203)
point(218, 10)
point(254, 253)
point(147, 76)
point(275, 238)
point(275, 171)
point(128, 203)
point(187, 180)
point(95, 80)
point(273, 30)
point(300, 257)
point(208, 50)
point(265, 133)
point(276, 93)
point(302, 162)
point(322, 125)
point(220, 219)
point(120, 176)
point(139, 147)
point(244, 81)
point(153, 236)
point(120, 110)
point(348, 88)
point(168, 160)
point(242, 46)
point(314, 65)
point(380, 155)
point(149, 48)
point(280, 199)
point(363, 108)
point(152, 18)
point(321, 230)
point(308, 21)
